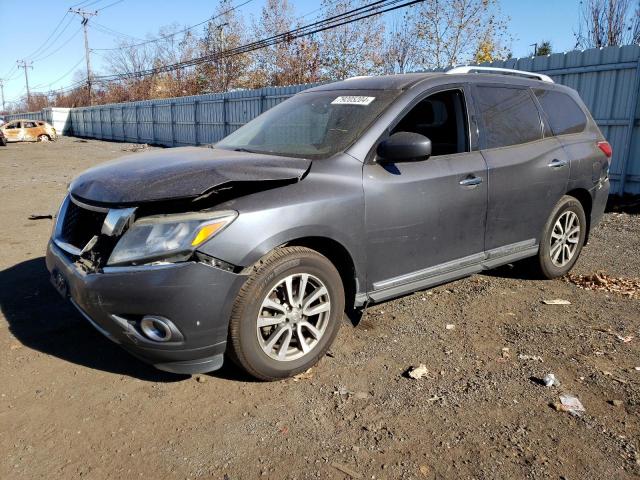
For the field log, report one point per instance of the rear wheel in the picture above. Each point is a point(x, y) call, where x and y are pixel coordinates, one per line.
point(287, 314)
point(562, 238)
point(44, 138)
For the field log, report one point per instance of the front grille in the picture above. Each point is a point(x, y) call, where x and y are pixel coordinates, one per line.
point(79, 225)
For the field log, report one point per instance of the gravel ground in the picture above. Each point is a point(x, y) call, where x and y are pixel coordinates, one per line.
point(74, 405)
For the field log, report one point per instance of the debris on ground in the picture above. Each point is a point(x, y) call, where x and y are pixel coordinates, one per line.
point(418, 372)
point(621, 338)
point(340, 390)
point(450, 326)
point(556, 301)
point(535, 358)
point(306, 375)
point(570, 404)
point(550, 380)
point(346, 470)
point(201, 378)
point(506, 352)
point(601, 281)
point(35, 216)
point(616, 403)
point(136, 147)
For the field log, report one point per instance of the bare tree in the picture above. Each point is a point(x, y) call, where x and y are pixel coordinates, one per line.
point(287, 63)
point(351, 49)
point(453, 32)
point(400, 50)
point(224, 32)
point(605, 23)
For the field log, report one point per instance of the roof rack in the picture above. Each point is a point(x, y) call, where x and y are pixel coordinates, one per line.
point(501, 71)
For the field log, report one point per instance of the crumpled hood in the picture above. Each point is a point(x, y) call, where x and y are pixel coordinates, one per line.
point(180, 173)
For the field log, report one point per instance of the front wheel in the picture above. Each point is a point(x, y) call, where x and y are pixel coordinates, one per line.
point(44, 138)
point(562, 238)
point(287, 313)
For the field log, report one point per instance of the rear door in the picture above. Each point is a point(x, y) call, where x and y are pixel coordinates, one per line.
point(13, 131)
point(528, 168)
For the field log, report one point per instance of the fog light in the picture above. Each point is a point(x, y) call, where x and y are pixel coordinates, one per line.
point(156, 328)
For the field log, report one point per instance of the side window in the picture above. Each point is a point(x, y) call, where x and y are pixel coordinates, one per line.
point(13, 125)
point(565, 116)
point(29, 124)
point(509, 116)
point(442, 118)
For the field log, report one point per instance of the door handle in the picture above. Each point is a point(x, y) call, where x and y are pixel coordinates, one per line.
point(555, 163)
point(471, 181)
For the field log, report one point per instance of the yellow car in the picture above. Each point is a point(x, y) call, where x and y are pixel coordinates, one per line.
point(28, 131)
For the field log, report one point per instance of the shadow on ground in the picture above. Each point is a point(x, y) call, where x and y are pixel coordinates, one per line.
point(42, 320)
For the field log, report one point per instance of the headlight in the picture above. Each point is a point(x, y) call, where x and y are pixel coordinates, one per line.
point(168, 237)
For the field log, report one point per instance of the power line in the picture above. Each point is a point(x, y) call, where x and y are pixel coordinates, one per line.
point(110, 5)
point(354, 15)
point(46, 42)
point(164, 37)
point(112, 32)
point(64, 44)
point(70, 71)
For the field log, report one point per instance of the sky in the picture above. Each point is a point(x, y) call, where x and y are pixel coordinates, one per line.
point(54, 64)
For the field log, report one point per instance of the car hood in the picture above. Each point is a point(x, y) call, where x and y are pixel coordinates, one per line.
point(181, 173)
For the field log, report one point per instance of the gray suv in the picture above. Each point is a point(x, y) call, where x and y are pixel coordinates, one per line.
point(343, 195)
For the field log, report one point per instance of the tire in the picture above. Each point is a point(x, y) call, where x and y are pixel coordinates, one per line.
point(552, 262)
point(44, 138)
point(265, 294)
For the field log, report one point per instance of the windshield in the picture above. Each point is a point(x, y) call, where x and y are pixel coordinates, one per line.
point(311, 125)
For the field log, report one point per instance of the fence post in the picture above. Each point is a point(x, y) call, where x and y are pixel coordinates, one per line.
point(224, 116)
point(633, 103)
point(124, 131)
point(261, 106)
point(195, 123)
point(111, 122)
point(135, 111)
point(153, 123)
point(173, 129)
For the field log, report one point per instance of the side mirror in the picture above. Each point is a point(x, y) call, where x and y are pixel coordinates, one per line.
point(404, 147)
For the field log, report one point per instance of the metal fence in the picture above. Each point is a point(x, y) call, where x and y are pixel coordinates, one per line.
point(194, 120)
point(608, 80)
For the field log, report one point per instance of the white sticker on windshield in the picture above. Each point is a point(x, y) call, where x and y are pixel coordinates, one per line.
point(353, 100)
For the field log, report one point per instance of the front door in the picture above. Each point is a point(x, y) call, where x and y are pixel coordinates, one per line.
point(528, 168)
point(13, 131)
point(426, 218)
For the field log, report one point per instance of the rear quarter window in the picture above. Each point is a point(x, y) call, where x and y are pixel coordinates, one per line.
point(509, 116)
point(564, 114)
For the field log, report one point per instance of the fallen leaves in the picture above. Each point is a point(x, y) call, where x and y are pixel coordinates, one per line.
point(629, 287)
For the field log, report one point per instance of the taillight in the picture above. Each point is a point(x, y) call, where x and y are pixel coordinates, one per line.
point(606, 149)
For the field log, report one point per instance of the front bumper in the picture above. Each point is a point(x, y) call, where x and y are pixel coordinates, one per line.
point(196, 297)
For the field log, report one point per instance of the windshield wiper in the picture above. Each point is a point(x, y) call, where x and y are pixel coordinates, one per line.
point(244, 150)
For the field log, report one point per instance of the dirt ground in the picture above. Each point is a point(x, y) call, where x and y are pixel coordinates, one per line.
point(72, 404)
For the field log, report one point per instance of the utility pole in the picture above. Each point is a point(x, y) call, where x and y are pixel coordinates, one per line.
point(87, 53)
point(535, 49)
point(2, 93)
point(26, 65)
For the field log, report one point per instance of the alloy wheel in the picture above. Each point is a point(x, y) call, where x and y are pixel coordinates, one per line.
point(293, 317)
point(565, 237)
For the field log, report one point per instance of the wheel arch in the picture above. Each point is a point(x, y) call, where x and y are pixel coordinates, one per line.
point(337, 254)
point(584, 197)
